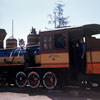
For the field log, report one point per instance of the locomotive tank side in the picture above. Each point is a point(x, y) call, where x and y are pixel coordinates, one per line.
point(4, 55)
point(38, 57)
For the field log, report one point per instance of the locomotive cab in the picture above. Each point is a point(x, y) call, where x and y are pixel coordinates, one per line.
point(60, 52)
point(91, 66)
point(77, 57)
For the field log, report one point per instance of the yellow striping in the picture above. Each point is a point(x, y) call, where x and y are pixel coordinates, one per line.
point(55, 58)
point(1, 60)
point(88, 57)
point(4, 59)
point(14, 60)
point(38, 59)
point(93, 56)
point(18, 59)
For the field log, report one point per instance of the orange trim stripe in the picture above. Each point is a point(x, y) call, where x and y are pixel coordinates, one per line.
point(96, 68)
point(55, 66)
point(93, 68)
point(50, 66)
point(93, 62)
point(55, 53)
point(55, 63)
point(89, 68)
point(10, 64)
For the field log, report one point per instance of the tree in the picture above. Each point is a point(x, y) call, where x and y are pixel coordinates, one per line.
point(57, 17)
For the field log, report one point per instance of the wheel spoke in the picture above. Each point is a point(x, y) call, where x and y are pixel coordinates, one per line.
point(49, 80)
point(33, 79)
point(21, 80)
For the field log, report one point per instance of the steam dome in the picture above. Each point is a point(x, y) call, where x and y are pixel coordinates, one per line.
point(11, 43)
point(32, 38)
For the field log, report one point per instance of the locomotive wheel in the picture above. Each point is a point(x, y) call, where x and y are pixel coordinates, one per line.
point(21, 80)
point(33, 79)
point(49, 80)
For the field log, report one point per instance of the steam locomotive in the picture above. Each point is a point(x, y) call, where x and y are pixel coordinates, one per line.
point(52, 62)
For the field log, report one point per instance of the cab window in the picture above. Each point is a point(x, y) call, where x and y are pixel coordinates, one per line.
point(59, 41)
point(47, 42)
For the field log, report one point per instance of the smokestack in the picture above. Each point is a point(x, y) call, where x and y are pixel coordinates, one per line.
point(12, 29)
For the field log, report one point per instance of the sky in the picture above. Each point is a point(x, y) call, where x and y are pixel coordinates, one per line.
point(34, 13)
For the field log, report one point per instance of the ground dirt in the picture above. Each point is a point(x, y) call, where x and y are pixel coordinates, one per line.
point(66, 93)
